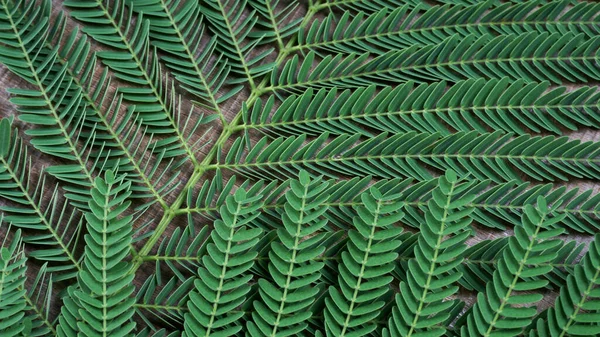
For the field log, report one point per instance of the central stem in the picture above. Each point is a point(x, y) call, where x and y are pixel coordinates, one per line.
point(228, 130)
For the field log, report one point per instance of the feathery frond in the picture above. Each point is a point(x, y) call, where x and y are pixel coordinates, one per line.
point(433, 273)
point(37, 208)
point(575, 310)
point(530, 56)
point(283, 309)
point(402, 27)
point(135, 61)
point(496, 156)
point(500, 309)
point(479, 105)
point(164, 302)
point(13, 321)
point(103, 298)
point(277, 25)
point(362, 5)
point(233, 29)
point(177, 28)
point(223, 279)
point(369, 111)
point(364, 272)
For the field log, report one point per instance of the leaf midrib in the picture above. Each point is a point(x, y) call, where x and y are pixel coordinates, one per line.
point(41, 215)
point(517, 276)
point(433, 261)
point(352, 117)
point(155, 91)
point(401, 68)
point(400, 33)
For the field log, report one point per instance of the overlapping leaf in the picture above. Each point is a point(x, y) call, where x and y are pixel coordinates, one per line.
point(285, 300)
point(364, 272)
point(104, 294)
point(432, 275)
point(495, 156)
point(479, 105)
point(508, 305)
point(530, 57)
point(401, 27)
point(222, 283)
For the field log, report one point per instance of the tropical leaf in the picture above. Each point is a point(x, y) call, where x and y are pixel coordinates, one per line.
point(507, 305)
point(233, 28)
point(530, 56)
point(13, 321)
point(495, 156)
point(479, 105)
point(367, 108)
point(403, 26)
point(134, 61)
point(363, 277)
point(574, 311)
point(37, 208)
point(277, 24)
point(163, 301)
point(286, 298)
point(433, 272)
point(103, 298)
point(177, 28)
point(223, 279)
point(362, 5)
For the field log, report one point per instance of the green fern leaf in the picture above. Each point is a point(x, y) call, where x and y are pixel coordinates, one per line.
point(575, 308)
point(275, 27)
point(496, 205)
point(480, 105)
point(54, 228)
point(284, 300)
point(38, 297)
point(557, 57)
point(13, 321)
point(235, 40)
point(136, 63)
point(490, 156)
point(432, 274)
point(403, 27)
point(362, 5)
point(500, 309)
point(106, 302)
point(364, 272)
point(101, 304)
point(163, 300)
point(223, 280)
point(52, 105)
point(177, 29)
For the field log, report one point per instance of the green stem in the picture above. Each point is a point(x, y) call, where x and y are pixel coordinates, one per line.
point(444, 28)
point(204, 165)
point(462, 64)
point(353, 117)
point(522, 264)
point(433, 263)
